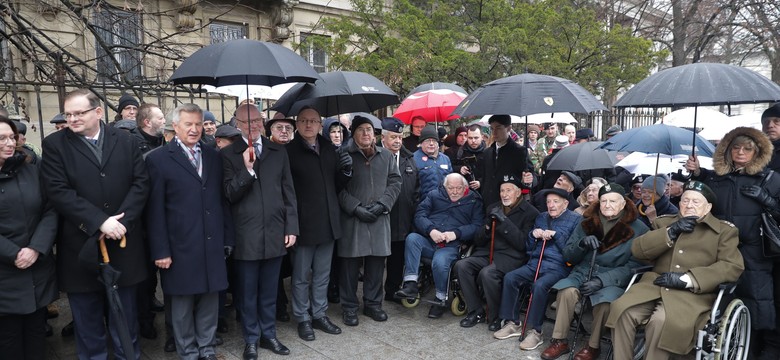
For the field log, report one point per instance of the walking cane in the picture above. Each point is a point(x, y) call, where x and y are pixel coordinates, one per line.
point(536, 276)
point(582, 305)
point(492, 241)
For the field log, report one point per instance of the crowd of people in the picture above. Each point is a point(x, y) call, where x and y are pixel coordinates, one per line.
point(224, 213)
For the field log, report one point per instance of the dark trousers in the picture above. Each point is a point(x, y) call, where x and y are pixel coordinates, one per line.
point(256, 290)
point(88, 317)
point(146, 290)
point(476, 278)
point(524, 276)
point(23, 337)
point(373, 272)
point(395, 268)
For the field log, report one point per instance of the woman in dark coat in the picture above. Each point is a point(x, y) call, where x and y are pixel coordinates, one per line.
point(27, 231)
point(739, 163)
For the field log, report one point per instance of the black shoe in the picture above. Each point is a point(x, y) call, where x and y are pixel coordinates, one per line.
point(49, 330)
point(282, 315)
point(250, 352)
point(68, 330)
point(274, 345)
point(218, 340)
point(408, 291)
point(147, 330)
point(473, 318)
point(436, 311)
point(326, 325)
point(375, 313)
point(222, 326)
point(305, 331)
point(495, 325)
point(157, 306)
point(170, 345)
point(350, 318)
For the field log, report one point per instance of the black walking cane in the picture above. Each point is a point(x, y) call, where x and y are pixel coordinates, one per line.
point(536, 276)
point(582, 305)
point(490, 260)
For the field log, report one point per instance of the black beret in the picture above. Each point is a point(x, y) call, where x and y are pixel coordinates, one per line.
point(612, 188)
point(702, 188)
point(512, 180)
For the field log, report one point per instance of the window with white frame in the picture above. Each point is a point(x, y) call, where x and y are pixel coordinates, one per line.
point(313, 52)
point(117, 37)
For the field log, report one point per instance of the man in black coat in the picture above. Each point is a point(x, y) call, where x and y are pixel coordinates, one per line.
point(95, 178)
point(770, 121)
point(469, 160)
point(504, 158)
point(318, 173)
point(507, 224)
point(412, 141)
point(259, 187)
point(189, 228)
point(149, 132)
point(402, 213)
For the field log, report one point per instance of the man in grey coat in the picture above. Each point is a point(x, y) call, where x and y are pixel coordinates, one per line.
point(365, 204)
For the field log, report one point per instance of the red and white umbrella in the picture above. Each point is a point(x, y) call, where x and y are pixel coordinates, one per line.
point(433, 102)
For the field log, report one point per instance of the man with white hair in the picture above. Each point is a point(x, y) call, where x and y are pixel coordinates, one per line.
point(446, 217)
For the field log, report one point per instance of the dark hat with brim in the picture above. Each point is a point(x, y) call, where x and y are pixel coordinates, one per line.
point(560, 192)
point(586, 133)
point(575, 180)
point(613, 130)
point(226, 131)
point(702, 188)
point(58, 119)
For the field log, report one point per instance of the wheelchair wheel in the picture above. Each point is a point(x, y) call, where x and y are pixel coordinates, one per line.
point(734, 332)
point(410, 303)
point(458, 306)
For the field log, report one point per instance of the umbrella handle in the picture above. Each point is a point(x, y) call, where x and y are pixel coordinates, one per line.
point(123, 242)
point(103, 250)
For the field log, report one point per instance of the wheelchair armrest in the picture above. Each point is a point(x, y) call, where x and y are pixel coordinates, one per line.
point(728, 287)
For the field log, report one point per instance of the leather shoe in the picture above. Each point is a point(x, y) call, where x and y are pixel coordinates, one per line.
point(587, 353)
point(350, 318)
point(68, 330)
point(473, 318)
point(282, 315)
point(436, 311)
point(408, 291)
point(305, 331)
point(250, 351)
point(375, 313)
point(170, 346)
point(495, 325)
point(274, 345)
point(557, 348)
point(147, 330)
point(324, 324)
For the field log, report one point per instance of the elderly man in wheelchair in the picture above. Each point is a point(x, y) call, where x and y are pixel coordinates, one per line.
point(692, 253)
point(446, 218)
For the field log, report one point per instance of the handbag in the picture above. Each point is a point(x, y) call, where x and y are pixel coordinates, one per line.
point(770, 230)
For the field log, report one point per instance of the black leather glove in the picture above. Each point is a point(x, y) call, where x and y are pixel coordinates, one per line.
point(228, 251)
point(377, 209)
point(761, 195)
point(591, 242)
point(670, 280)
point(589, 287)
point(364, 215)
point(497, 214)
point(684, 225)
point(345, 162)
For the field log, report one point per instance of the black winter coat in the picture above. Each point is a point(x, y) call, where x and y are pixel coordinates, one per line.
point(402, 214)
point(317, 181)
point(512, 160)
point(509, 251)
point(27, 222)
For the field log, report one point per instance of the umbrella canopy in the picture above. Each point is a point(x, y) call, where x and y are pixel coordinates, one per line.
point(560, 118)
point(432, 105)
point(255, 91)
point(685, 118)
point(438, 86)
point(642, 163)
point(701, 84)
point(660, 138)
point(583, 156)
point(338, 92)
point(718, 130)
point(528, 94)
point(244, 61)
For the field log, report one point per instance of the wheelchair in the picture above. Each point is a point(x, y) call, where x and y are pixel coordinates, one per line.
point(425, 283)
point(726, 335)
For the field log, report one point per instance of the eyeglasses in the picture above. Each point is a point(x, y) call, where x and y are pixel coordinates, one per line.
point(287, 128)
point(77, 114)
point(430, 141)
point(7, 140)
point(367, 130)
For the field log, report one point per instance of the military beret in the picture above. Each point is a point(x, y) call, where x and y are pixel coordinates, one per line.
point(612, 188)
point(393, 125)
point(511, 179)
point(702, 188)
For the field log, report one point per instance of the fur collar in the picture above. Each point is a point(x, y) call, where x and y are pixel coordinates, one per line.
point(762, 158)
point(619, 234)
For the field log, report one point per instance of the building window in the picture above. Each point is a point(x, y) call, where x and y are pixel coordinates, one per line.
point(221, 32)
point(313, 51)
point(117, 35)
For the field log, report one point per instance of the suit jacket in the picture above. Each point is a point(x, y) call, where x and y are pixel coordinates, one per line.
point(188, 219)
point(85, 193)
point(264, 208)
point(402, 214)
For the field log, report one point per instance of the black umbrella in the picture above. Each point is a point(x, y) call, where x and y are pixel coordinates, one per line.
point(528, 94)
point(701, 84)
point(583, 156)
point(109, 277)
point(244, 61)
point(338, 92)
